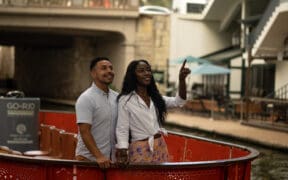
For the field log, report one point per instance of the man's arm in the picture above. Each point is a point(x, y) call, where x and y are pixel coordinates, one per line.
point(85, 131)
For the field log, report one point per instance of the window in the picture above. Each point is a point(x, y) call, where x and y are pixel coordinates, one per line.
point(195, 8)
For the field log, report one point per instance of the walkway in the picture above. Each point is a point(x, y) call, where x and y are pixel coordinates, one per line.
point(230, 128)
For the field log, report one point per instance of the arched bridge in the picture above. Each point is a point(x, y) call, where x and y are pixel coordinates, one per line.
point(55, 40)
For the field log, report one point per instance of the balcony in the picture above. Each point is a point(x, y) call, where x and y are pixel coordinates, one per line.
point(102, 4)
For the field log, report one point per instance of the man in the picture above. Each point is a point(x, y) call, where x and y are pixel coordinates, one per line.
point(96, 112)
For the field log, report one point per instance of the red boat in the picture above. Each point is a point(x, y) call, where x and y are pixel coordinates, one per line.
point(191, 158)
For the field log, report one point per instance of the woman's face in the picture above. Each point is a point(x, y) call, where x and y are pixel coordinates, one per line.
point(143, 74)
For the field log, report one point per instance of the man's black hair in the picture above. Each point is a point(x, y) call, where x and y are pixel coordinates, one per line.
point(96, 60)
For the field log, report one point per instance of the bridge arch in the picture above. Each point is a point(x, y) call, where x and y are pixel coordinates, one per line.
point(53, 52)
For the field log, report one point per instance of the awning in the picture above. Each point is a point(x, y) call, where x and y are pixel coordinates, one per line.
point(209, 69)
point(190, 59)
point(223, 55)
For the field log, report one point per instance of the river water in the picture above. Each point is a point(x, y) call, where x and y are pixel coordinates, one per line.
point(271, 164)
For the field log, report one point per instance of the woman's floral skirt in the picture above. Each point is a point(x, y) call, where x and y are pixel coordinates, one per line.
point(139, 151)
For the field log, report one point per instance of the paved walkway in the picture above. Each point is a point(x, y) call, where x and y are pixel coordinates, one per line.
point(230, 128)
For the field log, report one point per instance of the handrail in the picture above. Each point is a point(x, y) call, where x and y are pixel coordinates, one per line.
point(99, 4)
point(280, 93)
point(188, 155)
point(222, 162)
point(265, 17)
point(234, 161)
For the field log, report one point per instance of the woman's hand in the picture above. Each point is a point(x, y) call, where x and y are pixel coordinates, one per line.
point(122, 156)
point(182, 83)
point(184, 71)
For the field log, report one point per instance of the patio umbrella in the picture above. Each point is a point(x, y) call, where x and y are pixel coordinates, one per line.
point(206, 69)
point(210, 69)
point(190, 59)
point(197, 60)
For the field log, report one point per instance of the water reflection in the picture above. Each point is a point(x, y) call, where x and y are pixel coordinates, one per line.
point(270, 165)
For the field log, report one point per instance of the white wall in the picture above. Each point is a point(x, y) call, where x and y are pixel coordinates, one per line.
point(281, 77)
point(235, 77)
point(195, 38)
point(181, 7)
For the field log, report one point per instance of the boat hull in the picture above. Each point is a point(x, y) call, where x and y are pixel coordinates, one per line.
point(191, 157)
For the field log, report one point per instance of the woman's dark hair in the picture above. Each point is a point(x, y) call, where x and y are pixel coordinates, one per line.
point(130, 84)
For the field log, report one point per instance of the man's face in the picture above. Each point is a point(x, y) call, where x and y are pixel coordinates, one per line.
point(103, 72)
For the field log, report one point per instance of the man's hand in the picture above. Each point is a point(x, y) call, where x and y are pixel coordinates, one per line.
point(85, 131)
point(103, 162)
point(184, 71)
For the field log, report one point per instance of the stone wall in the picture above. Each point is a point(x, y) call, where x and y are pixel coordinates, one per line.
point(153, 42)
point(6, 69)
point(6, 62)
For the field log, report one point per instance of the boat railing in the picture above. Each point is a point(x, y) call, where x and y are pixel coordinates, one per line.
point(238, 166)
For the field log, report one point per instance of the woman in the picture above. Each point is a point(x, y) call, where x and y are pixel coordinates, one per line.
point(141, 110)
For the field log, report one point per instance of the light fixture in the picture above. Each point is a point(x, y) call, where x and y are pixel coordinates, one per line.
point(258, 62)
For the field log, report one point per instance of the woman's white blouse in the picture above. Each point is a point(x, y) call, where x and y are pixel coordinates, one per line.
point(135, 116)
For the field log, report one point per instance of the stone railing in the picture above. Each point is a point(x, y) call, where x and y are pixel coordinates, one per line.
point(100, 4)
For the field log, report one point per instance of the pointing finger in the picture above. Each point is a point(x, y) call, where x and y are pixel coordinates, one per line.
point(183, 65)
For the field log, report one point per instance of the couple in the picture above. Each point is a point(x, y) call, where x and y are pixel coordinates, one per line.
point(133, 117)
